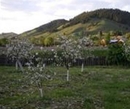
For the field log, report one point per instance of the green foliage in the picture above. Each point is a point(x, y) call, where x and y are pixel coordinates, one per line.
point(48, 41)
point(94, 38)
point(128, 35)
point(112, 33)
point(36, 41)
point(99, 52)
point(43, 41)
point(3, 41)
point(116, 54)
point(108, 37)
point(127, 52)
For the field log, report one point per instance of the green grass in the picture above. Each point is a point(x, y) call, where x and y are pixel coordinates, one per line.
point(98, 87)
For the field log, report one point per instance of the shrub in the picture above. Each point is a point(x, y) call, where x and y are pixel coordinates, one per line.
point(3, 41)
point(116, 54)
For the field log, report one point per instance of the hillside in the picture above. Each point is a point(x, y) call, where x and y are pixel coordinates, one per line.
point(8, 35)
point(111, 14)
point(49, 27)
point(89, 22)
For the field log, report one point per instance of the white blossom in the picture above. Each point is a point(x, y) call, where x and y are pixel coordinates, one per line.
point(69, 52)
point(17, 50)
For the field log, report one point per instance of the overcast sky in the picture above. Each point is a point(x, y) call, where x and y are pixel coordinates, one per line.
point(21, 15)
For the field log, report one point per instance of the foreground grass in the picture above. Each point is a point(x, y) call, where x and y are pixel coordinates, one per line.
point(95, 88)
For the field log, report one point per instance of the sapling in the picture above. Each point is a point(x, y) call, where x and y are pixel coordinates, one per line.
point(69, 53)
point(37, 72)
point(84, 52)
point(17, 50)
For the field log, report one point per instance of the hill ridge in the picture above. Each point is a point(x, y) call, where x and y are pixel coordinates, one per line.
point(119, 17)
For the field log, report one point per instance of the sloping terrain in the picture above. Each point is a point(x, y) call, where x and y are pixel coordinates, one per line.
point(87, 22)
point(8, 35)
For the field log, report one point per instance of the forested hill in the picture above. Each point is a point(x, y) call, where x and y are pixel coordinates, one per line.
point(49, 27)
point(111, 14)
point(94, 21)
point(8, 35)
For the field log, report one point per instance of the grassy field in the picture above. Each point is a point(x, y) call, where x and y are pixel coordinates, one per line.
point(96, 88)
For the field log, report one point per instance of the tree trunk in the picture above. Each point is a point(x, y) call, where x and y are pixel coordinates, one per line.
point(20, 65)
point(41, 92)
point(67, 74)
point(82, 67)
point(16, 65)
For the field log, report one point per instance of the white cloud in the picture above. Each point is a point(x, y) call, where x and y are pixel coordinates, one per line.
point(109, 1)
point(22, 15)
point(12, 21)
point(126, 8)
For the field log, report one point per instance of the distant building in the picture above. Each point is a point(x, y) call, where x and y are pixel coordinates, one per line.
point(118, 39)
point(113, 41)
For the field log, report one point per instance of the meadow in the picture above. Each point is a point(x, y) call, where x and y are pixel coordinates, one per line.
point(98, 87)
